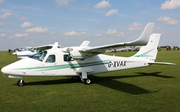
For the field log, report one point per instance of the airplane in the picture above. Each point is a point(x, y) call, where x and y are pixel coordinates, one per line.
point(81, 61)
point(33, 50)
point(21, 49)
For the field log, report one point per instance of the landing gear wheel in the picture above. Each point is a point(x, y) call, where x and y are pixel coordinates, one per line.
point(87, 81)
point(20, 82)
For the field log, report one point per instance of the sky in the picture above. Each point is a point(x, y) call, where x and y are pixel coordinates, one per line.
point(30, 23)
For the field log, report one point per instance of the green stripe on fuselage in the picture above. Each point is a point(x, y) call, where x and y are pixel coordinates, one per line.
point(55, 67)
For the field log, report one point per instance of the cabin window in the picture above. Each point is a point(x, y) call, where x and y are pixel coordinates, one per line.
point(51, 59)
point(67, 57)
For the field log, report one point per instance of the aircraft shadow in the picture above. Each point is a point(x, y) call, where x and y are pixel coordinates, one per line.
point(103, 81)
point(126, 87)
point(120, 86)
point(51, 82)
point(109, 82)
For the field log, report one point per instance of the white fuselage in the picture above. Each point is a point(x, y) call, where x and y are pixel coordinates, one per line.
point(92, 65)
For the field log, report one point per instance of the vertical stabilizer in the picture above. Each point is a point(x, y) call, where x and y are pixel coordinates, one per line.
point(150, 50)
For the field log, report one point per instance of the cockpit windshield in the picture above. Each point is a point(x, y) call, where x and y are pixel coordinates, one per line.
point(29, 49)
point(39, 56)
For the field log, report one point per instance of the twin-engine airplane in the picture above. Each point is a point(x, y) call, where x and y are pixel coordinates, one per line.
point(34, 50)
point(84, 60)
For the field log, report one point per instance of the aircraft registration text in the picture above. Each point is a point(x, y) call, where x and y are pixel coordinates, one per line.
point(116, 63)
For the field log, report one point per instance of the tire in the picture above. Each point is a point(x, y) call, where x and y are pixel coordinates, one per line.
point(87, 81)
point(19, 83)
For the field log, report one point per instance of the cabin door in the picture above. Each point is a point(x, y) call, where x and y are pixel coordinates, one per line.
point(49, 65)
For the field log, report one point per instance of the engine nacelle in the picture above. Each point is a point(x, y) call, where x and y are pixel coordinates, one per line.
point(75, 54)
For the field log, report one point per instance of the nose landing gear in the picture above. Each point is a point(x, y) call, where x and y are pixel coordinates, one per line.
point(20, 82)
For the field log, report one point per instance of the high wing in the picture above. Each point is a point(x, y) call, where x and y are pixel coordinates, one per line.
point(141, 41)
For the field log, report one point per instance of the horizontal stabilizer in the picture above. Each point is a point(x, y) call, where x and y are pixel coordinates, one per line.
point(161, 63)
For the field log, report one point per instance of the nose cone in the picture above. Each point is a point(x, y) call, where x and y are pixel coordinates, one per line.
point(20, 67)
point(11, 68)
point(6, 70)
point(3, 70)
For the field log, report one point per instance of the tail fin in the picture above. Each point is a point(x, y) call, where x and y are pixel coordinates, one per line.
point(150, 50)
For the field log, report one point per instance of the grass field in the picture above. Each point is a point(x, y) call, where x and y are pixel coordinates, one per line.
point(148, 89)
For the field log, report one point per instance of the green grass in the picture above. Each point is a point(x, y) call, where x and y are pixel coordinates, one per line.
point(148, 89)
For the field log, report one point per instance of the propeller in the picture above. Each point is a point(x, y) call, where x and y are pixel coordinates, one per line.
point(69, 52)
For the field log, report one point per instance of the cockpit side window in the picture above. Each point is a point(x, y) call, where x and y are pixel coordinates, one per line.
point(67, 57)
point(51, 59)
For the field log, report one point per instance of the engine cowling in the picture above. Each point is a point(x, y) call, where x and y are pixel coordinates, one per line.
point(74, 53)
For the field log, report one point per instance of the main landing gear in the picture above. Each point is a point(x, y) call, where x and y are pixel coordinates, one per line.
point(84, 78)
point(20, 82)
point(87, 81)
